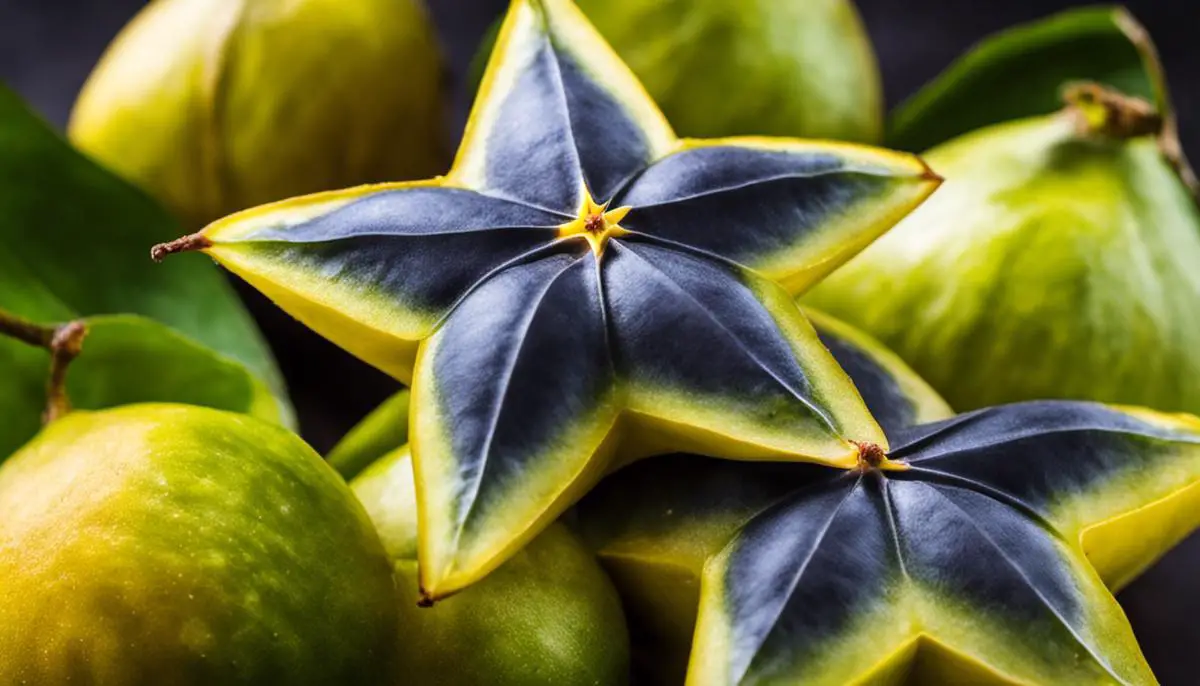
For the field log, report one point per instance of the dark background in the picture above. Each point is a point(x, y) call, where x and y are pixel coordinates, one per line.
point(47, 48)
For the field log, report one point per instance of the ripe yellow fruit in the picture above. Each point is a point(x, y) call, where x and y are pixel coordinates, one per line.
point(171, 544)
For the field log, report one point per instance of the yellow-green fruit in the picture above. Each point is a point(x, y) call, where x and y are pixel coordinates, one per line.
point(1049, 265)
point(169, 544)
point(548, 616)
point(218, 105)
point(742, 67)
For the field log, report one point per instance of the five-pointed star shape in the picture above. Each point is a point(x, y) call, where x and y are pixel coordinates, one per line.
point(978, 551)
point(582, 288)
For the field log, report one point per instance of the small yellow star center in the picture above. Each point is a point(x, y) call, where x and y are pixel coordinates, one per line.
point(596, 223)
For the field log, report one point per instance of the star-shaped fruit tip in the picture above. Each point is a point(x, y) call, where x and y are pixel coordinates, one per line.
point(596, 223)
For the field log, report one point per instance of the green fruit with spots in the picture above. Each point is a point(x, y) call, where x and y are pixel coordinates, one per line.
point(1059, 260)
point(169, 544)
point(217, 105)
point(548, 615)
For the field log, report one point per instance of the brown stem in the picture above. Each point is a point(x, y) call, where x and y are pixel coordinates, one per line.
point(25, 331)
point(1102, 112)
point(188, 243)
point(64, 343)
point(1099, 111)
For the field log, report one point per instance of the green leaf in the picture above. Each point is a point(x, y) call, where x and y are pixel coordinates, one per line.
point(74, 242)
point(129, 359)
point(977, 551)
point(581, 289)
point(1020, 72)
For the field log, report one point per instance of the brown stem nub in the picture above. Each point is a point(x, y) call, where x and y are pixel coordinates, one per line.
point(1100, 111)
point(63, 342)
point(425, 600)
point(188, 243)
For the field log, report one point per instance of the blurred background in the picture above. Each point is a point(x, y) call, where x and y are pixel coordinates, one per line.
point(48, 47)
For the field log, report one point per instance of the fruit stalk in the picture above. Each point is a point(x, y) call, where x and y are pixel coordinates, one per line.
point(64, 342)
point(1103, 112)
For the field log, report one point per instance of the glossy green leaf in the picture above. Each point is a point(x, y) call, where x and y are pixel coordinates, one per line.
point(976, 552)
point(74, 243)
point(1020, 73)
point(129, 359)
point(167, 366)
point(379, 433)
point(582, 289)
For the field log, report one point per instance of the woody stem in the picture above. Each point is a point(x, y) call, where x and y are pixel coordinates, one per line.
point(64, 342)
point(1102, 112)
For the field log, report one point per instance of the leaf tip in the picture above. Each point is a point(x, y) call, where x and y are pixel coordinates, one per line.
point(188, 243)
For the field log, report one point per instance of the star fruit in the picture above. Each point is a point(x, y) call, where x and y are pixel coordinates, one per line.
point(581, 289)
point(980, 549)
point(892, 392)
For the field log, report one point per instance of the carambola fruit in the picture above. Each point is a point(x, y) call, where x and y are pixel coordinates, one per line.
point(582, 289)
point(980, 549)
point(548, 616)
point(893, 393)
point(171, 544)
point(219, 105)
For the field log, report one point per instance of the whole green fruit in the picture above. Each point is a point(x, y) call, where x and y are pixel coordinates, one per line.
point(1051, 264)
point(168, 544)
point(802, 68)
point(548, 615)
point(218, 105)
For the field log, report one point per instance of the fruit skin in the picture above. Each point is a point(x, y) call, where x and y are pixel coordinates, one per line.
point(802, 68)
point(379, 433)
point(168, 544)
point(1046, 267)
point(740, 67)
point(548, 616)
point(218, 105)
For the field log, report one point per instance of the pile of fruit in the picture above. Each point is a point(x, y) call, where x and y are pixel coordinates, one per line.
point(653, 434)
